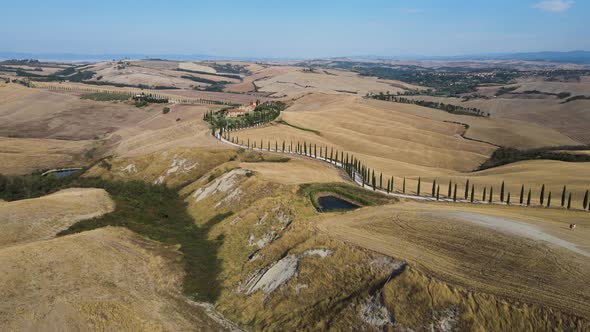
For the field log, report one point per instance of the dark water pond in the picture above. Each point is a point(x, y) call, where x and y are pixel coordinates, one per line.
point(64, 173)
point(332, 203)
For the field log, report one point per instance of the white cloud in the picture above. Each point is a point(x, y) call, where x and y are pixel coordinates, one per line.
point(554, 6)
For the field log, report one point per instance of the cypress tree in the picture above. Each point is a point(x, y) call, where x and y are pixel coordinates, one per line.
point(315, 150)
point(569, 201)
point(549, 200)
point(521, 194)
point(248, 143)
point(276, 146)
point(419, 182)
point(542, 195)
point(392, 184)
point(472, 193)
point(304, 148)
point(450, 185)
point(261, 146)
point(563, 197)
point(268, 147)
point(585, 202)
point(404, 186)
point(528, 199)
point(433, 187)
point(388, 184)
point(483, 197)
point(283, 146)
point(502, 192)
point(455, 193)
point(467, 189)
point(374, 181)
point(381, 180)
point(508, 199)
point(437, 193)
point(491, 194)
point(331, 154)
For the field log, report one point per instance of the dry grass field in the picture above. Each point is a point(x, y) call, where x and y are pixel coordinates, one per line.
point(35, 113)
point(527, 255)
point(569, 120)
point(277, 263)
point(295, 82)
point(348, 123)
point(155, 73)
point(106, 279)
point(183, 127)
point(278, 271)
point(408, 141)
point(172, 167)
point(34, 118)
point(42, 218)
point(26, 155)
point(295, 171)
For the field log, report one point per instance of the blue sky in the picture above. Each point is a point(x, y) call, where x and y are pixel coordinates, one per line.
point(301, 28)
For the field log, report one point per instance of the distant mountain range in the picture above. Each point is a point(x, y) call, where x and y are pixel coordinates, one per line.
point(579, 57)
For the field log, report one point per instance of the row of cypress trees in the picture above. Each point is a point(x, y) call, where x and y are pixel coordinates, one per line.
point(175, 99)
point(367, 177)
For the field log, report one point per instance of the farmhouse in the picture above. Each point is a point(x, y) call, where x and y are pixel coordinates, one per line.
point(241, 111)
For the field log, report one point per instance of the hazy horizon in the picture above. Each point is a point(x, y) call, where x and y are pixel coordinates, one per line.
point(295, 30)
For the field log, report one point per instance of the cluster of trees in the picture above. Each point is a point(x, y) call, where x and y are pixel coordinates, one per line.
point(229, 68)
point(445, 81)
point(69, 74)
point(28, 186)
point(150, 98)
point(358, 171)
point(505, 155)
point(455, 109)
point(263, 113)
point(21, 62)
point(176, 99)
point(510, 90)
point(574, 98)
point(216, 86)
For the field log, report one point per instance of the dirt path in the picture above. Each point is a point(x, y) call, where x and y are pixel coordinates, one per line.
point(514, 227)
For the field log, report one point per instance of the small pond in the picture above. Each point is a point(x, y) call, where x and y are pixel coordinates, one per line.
point(63, 173)
point(333, 203)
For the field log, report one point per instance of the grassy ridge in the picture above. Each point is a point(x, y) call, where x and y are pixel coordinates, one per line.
point(160, 214)
point(151, 210)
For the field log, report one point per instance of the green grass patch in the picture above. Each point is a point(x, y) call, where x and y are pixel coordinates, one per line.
point(258, 157)
point(104, 96)
point(283, 122)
